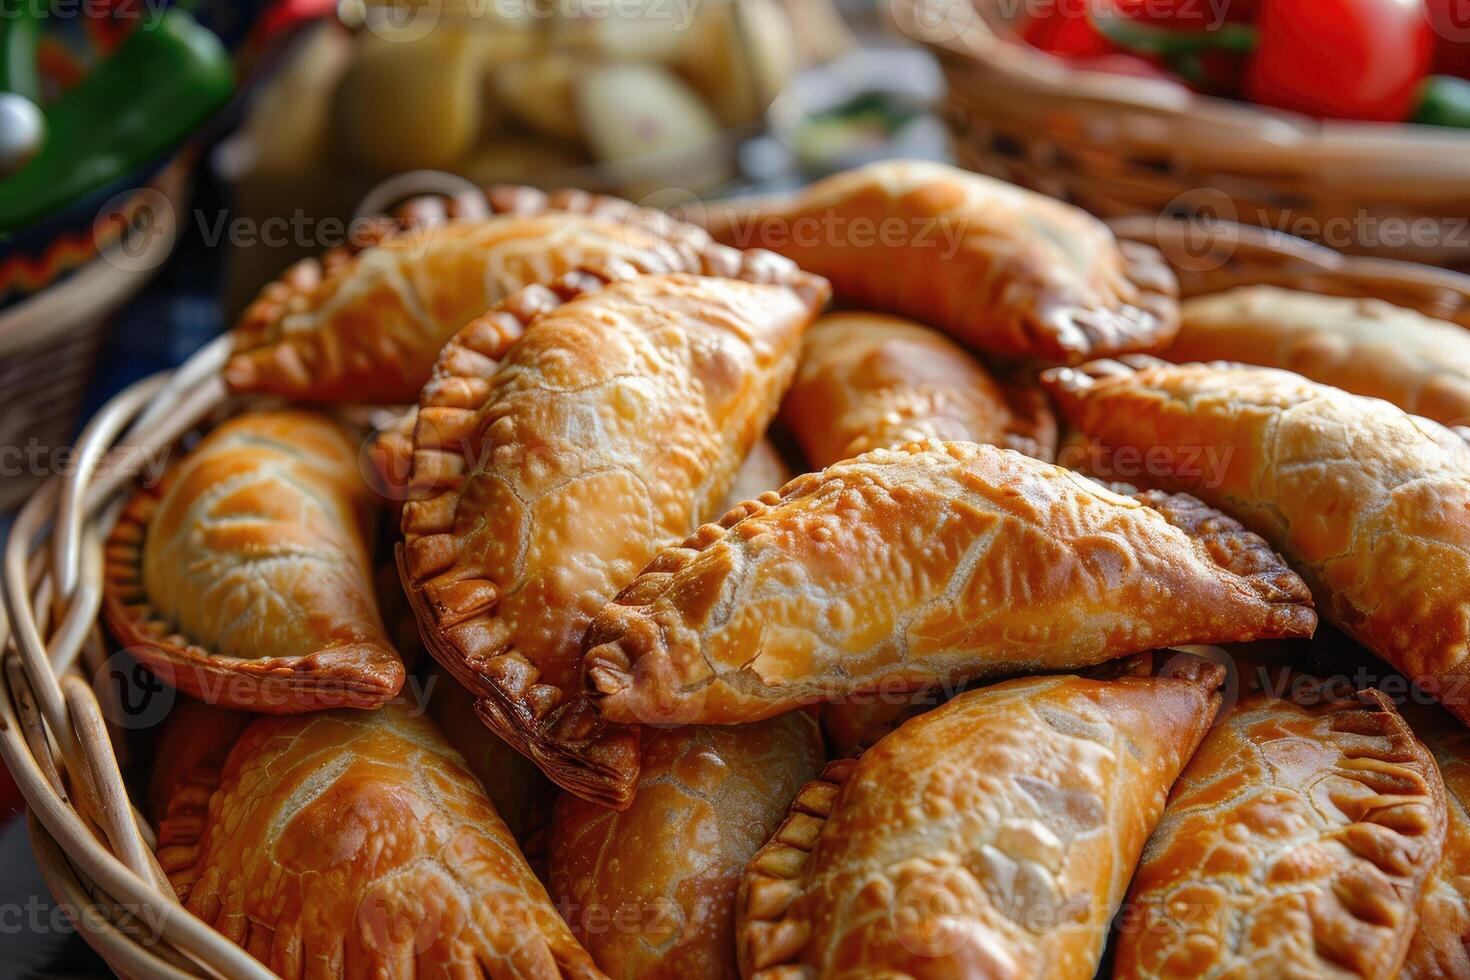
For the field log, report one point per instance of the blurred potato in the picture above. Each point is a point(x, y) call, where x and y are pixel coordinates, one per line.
point(631, 30)
point(410, 104)
point(538, 93)
point(633, 110)
point(739, 56)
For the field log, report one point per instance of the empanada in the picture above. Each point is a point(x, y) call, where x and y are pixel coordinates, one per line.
point(243, 577)
point(357, 844)
point(926, 564)
point(1297, 843)
point(367, 328)
point(997, 267)
point(1364, 346)
point(1370, 504)
point(871, 381)
point(991, 837)
point(651, 891)
point(1441, 944)
point(549, 478)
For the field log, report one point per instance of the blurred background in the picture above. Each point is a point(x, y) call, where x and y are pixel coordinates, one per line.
point(160, 162)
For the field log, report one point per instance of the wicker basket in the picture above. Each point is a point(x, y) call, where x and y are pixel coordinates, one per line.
point(1120, 145)
point(49, 341)
point(93, 846)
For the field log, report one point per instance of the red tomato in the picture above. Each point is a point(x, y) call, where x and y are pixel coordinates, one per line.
point(1343, 59)
point(1063, 28)
point(1450, 20)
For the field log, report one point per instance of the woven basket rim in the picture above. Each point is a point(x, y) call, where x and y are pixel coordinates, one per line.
point(51, 719)
point(962, 34)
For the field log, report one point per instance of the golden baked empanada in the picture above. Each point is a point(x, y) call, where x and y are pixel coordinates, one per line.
point(368, 328)
point(650, 891)
point(991, 837)
point(997, 267)
point(549, 478)
point(243, 577)
point(1364, 346)
point(872, 381)
point(927, 564)
point(357, 844)
point(1441, 944)
point(1370, 504)
point(1296, 843)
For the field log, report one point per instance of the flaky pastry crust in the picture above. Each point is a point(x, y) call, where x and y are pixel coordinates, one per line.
point(927, 564)
point(1364, 346)
point(367, 327)
point(993, 836)
point(353, 844)
point(1297, 843)
point(650, 891)
point(872, 381)
point(551, 470)
point(1370, 504)
point(243, 577)
point(997, 267)
point(1440, 949)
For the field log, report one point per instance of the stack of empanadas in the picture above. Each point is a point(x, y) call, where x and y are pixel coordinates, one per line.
point(935, 707)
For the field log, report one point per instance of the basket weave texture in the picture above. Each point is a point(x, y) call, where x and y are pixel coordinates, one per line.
point(1120, 145)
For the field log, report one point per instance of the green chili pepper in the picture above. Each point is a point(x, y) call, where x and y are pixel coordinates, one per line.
point(1444, 100)
point(20, 43)
point(162, 82)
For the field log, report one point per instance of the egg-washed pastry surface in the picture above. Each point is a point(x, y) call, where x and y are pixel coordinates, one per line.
point(1364, 346)
point(873, 381)
point(1297, 842)
point(549, 471)
point(346, 844)
point(993, 836)
point(997, 267)
point(1441, 944)
point(244, 577)
point(650, 891)
point(367, 327)
point(1370, 504)
point(928, 564)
